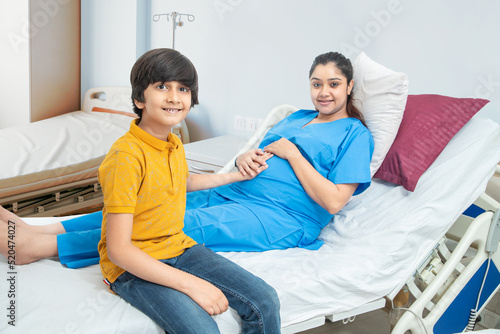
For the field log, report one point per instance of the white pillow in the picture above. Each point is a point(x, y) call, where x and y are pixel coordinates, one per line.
point(380, 94)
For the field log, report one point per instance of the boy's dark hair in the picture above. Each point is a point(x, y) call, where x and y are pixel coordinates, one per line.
point(162, 65)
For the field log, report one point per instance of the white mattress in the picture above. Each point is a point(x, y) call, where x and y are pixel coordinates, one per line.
point(373, 245)
point(62, 149)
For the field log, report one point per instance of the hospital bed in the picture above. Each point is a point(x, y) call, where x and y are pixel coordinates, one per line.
point(420, 242)
point(386, 240)
point(50, 166)
point(381, 242)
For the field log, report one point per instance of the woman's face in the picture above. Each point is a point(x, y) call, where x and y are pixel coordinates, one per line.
point(329, 91)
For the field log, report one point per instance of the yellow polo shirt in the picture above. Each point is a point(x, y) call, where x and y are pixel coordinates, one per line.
point(145, 176)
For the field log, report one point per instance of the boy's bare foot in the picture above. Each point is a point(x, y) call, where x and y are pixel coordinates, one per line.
point(6, 215)
point(54, 228)
point(23, 246)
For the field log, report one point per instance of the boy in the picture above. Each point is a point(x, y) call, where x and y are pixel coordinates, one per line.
point(145, 256)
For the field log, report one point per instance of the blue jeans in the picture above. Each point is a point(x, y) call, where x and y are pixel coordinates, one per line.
point(255, 301)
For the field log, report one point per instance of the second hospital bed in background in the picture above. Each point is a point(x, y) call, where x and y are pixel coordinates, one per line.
point(50, 166)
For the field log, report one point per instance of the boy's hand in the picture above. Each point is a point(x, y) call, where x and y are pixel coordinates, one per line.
point(209, 297)
point(252, 162)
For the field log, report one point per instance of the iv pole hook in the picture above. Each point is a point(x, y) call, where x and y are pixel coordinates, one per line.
point(175, 23)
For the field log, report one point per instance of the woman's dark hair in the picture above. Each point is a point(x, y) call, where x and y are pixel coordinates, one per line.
point(345, 66)
point(162, 65)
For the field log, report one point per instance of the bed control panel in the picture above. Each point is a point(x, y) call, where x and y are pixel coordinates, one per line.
point(494, 233)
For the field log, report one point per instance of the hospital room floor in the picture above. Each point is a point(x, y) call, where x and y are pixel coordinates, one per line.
point(375, 322)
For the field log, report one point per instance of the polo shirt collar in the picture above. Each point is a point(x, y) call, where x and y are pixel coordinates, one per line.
point(152, 140)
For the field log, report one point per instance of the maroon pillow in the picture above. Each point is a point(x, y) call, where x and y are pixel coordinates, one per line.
point(429, 122)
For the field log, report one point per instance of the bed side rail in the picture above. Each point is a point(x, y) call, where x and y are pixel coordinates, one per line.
point(436, 296)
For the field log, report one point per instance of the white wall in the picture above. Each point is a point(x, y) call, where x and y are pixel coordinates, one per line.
point(14, 63)
point(252, 55)
point(109, 43)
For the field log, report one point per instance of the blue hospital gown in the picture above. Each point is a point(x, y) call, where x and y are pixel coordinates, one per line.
point(340, 151)
point(271, 211)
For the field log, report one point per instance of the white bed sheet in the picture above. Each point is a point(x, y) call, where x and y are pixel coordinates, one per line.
point(374, 244)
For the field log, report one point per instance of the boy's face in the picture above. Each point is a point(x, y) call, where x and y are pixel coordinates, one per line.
point(165, 105)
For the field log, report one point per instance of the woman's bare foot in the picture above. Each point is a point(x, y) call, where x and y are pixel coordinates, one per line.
point(22, 246)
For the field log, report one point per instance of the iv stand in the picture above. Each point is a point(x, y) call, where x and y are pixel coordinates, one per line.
point(176, 21)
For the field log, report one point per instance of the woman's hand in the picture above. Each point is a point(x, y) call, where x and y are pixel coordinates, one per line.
point(332, 197)
point(252, 162)
point(283, 148)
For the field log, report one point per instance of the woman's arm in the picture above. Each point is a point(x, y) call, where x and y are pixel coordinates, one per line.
point(124, 254)
point(332, 197)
